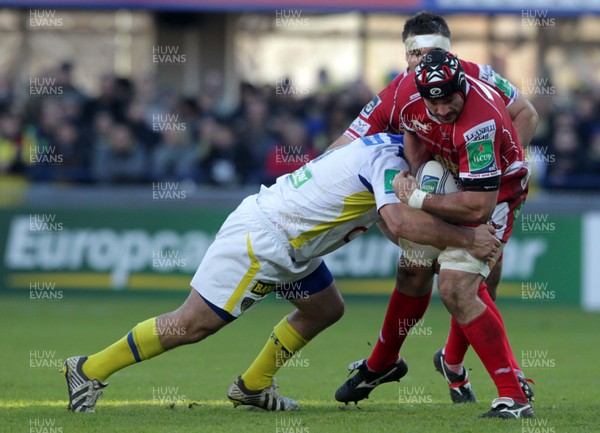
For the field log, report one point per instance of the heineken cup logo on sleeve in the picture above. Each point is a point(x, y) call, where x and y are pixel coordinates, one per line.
point(481, 156)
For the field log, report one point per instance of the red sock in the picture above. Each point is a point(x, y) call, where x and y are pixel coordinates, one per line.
point(487, 300)
point(486, 335)
point(402, 314)
point(456, 345)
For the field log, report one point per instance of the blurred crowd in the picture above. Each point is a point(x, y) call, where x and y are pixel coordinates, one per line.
point(138, 132)
point(566, 149)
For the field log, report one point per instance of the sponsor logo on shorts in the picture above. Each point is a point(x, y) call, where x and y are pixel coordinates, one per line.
point(261, 288)
point(370, 107)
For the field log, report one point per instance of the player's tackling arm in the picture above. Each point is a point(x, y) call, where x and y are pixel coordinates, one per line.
point(463, 206)
point(425, 229)
point(384, 229)
point(524, 118)
point(341, 141)
point(415, 153)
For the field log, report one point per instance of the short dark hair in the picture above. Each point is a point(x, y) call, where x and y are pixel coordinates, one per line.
point(425, 23)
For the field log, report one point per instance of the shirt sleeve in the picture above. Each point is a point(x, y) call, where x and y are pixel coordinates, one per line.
point(480, 157)
point(379, 170)
point(375, 117)
point(486, 73)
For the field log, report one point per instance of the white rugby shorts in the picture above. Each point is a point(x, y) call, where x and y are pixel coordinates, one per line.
point(249, 259)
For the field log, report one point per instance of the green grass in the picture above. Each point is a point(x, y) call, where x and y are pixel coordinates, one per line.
point(567, 389)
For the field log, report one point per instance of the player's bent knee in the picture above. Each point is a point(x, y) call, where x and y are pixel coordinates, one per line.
point(199, 320)
point(325, 307)
point(414, 281)
point(336, 312)
point(331, 312)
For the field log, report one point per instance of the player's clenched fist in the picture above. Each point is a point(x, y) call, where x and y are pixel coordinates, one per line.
point(404, 184)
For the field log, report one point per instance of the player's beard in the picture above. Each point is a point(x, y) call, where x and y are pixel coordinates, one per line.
point(448, 118)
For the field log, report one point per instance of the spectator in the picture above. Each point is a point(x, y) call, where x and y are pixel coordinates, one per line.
point(255, 129)
point(11, 144)
point(121, 159)
point(593, 156)
point(174, 158)
point(293, 150)
point(66, 158)
point(136, 118)
point(224, 160)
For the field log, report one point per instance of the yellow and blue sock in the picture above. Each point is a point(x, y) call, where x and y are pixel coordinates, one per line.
point(282, 344)
point(140, 344)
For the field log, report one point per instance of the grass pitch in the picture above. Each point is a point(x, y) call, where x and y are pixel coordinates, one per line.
point(559, 348)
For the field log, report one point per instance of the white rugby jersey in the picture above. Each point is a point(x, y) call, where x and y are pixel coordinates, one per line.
point(335, 197)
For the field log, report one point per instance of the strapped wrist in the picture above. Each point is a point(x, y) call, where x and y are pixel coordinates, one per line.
point(417, 198)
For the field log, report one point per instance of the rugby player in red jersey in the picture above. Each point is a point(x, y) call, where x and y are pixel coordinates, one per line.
point(464, 124)
point(422, 33)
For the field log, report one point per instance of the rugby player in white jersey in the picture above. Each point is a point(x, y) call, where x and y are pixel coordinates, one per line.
point(273, 242)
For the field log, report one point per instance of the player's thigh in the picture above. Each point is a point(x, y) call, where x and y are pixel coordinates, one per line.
point(315, 295)
point(461, 273)
point(242, 266)
point(414, 276)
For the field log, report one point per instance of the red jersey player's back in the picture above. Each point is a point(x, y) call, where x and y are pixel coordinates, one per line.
point(381, 114)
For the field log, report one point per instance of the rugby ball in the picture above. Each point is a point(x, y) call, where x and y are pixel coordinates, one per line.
point(434, 178)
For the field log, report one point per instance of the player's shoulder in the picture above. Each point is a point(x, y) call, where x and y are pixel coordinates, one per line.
point(379, 141)
point(481, 72)
point(482, 113)
point(482, 94)
point(393, 91)
point(474, 69)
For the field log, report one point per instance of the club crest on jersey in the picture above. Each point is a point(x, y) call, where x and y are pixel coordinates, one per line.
point(368, 109)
